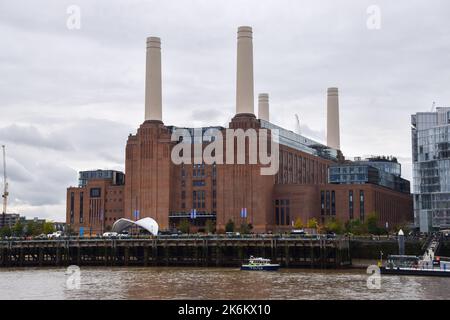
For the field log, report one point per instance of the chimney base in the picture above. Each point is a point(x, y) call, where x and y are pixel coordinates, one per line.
point(244, 121)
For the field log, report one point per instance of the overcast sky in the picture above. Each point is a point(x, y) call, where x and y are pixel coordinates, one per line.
point(70, 97)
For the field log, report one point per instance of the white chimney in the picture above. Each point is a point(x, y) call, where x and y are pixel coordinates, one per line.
point(263, 106)
point(153, 94)
point(333, 136)
point(244, 74)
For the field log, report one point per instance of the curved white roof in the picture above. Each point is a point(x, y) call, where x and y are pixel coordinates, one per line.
point(148, 224)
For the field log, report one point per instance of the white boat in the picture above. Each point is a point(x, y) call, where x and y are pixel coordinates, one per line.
point(260, 264)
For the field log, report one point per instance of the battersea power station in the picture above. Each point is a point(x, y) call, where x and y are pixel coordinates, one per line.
point(252, 172)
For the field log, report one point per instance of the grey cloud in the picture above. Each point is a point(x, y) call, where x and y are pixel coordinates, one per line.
point(70, 98)
point(29, 135)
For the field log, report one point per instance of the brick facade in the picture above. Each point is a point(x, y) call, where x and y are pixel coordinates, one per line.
point(157, 188)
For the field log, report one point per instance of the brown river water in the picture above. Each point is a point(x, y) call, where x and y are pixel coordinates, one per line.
point(213, 283)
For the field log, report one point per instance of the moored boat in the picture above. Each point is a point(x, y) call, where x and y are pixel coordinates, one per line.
point(260, 264)
point(414, 266)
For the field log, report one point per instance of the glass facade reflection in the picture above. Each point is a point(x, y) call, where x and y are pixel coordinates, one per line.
point(431, 168)
point(381, 171)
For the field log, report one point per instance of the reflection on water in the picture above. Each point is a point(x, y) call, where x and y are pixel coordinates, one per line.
point(211, 283)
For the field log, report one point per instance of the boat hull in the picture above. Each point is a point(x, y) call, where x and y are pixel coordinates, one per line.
point(413, 272)
point(273, 267)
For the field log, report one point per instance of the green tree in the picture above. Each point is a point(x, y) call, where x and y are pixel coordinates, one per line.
point(5, 232)
point(33, 228)
point(246, 228)
point(334, 225)
point(298, 224)
point(372, 225)
point(356, 227)
point(184, 226)
point(312, 223)
point(229, 227)
point(48, 227)
point(210, 226)
point(18, 229)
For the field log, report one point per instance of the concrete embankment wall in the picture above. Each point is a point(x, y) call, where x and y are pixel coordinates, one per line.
point(370, 249)
point(206, 252)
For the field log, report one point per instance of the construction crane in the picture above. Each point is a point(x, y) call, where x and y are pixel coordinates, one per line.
point(5, 186)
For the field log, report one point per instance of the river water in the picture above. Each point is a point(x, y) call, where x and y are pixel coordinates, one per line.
point(211, 283)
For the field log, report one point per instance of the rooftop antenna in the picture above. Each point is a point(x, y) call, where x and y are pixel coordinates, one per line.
point(297, 124)
point(5, 186)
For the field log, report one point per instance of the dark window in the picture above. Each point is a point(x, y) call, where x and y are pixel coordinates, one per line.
point(198, 183)
point(183, 194)
point(322, 202)
point(361, 205)
point(95, 192)
point(72, 206)
point(328, 203)
point(282, 212)
point(198, 199)
point(350, 204)
point(288, 217)
point(81, 206)
point(333, 203)
point(194, 199)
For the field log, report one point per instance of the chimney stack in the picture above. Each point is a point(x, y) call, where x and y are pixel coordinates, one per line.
point(333, 136)
point(153, 95)
point(263, 106)
point(244, 74)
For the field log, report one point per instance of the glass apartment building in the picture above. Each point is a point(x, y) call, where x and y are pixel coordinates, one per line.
point(117, 177)
point(381, 171)
point(431, 169)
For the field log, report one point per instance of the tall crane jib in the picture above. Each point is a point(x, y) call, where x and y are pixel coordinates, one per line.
point(5, 185)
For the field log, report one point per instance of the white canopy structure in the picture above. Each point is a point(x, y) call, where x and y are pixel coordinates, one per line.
point(148, 224)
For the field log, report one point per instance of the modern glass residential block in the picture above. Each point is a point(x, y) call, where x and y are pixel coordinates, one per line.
point(117, 177)
point(431, 168)
point(381, 171)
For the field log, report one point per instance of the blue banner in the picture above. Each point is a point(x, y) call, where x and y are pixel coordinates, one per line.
point(81, 231)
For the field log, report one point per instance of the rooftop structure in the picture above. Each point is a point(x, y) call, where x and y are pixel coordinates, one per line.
point(117, 177)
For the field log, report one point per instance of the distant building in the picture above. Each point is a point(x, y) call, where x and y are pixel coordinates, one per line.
point(431, 168)
point(59, 226)
point(97, 203)
point(10, 219)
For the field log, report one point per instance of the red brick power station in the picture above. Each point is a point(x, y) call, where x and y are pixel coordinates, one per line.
point(313, 180)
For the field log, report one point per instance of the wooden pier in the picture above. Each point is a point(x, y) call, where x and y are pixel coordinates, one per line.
point(200, 252)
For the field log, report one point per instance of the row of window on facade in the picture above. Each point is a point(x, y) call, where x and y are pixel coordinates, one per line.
point(282, 212)
point(198, 199)
point(198, 171)
point(328, 204)
point(296, 169)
